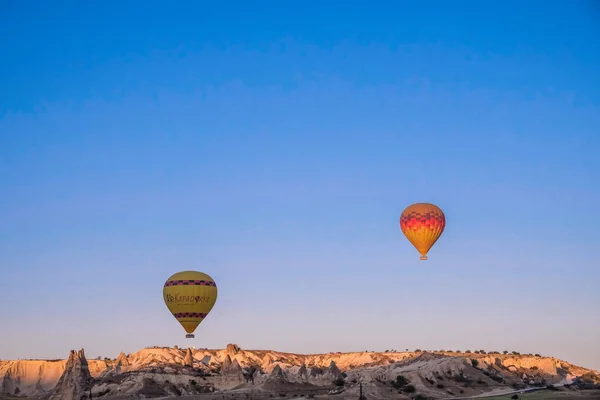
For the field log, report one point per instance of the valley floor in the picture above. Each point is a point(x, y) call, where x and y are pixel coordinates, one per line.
point(554, 395)
point(538, 395)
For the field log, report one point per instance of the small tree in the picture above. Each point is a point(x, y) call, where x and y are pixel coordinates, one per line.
point(361, 396)
point(474, 362)
point(409, 389)
point(505, 352)
point(400, 381)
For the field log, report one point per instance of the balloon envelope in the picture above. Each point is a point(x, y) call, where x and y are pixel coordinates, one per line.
point(422, 224)
point(190, 295)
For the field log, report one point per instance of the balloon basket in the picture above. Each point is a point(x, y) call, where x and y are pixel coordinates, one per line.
point(189, 336)
point(423, 258)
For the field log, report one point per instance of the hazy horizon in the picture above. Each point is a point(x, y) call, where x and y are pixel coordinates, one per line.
point(274, 149)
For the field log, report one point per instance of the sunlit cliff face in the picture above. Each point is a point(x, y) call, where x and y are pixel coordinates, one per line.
point(229, 367)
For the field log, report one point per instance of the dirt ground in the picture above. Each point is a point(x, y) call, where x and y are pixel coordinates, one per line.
point(539, 395)
point(554, 395)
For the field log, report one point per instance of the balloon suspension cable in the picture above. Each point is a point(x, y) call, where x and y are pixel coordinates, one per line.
point(189, 336)
point(423, 257)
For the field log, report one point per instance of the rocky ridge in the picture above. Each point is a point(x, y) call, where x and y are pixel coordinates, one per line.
point(162, 371)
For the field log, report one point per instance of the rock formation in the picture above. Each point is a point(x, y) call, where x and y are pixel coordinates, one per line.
point(333, 370)
point(232, 349)
point(9, 384)
point(121, 363)
point(303, 372)
point(230, 367)
point(76, 379)
point(188, 360)
point(155, 370)
point(249, 373)
point(277, 376)
point(206, 360)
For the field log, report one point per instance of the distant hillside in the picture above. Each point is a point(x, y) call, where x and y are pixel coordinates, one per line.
point(162, 372)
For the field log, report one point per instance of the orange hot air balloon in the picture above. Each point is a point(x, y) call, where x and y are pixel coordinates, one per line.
point(422, 224)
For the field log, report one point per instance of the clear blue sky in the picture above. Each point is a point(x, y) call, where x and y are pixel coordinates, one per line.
point(274, 148)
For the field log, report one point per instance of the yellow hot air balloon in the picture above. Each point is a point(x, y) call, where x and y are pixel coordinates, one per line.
point(422, 224)
point(190, 295)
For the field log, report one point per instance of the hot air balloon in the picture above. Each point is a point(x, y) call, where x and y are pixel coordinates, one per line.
point(422, 224)
point(189, 296)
